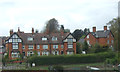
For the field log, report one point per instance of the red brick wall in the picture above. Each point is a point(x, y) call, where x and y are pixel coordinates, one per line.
point(91, 39)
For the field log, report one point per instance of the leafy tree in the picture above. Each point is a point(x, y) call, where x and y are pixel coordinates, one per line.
point(85, 47)
point(52, 26)
point(78, 50)
point(86, 31)
point(78, 34)
point(114, 27)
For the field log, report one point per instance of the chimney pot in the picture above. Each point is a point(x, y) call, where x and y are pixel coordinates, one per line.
point(32, 30)
point(105, 28)
point(94, 29)
point(11, 31)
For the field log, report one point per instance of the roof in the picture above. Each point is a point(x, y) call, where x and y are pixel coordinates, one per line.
point(37, 38)
point(2, 40)
point(81, 40)
point(100, 34)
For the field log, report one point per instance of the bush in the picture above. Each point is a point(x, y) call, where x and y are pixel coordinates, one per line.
point(70, 59)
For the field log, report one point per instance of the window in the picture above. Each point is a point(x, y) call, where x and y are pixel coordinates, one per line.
point(15, 54)
point(88, 42)
point(15, 46)
point(30, 53)
point(38, 53)
point(38, 47)
point(107, 41)
point(70, 53)
point(112, 41)
point(30, 47)
point(45, 53)
point(70, 46)
point(70, 43)
point(54, 38)
point(87, 36)
point(44, 39)
point(30, 39)
point(55, 52)
point(108, 36)
point(23, 47)
point(55, 46)
point(62, 46)
point(45, 46)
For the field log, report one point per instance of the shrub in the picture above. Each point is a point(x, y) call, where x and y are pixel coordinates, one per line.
point(70, 59)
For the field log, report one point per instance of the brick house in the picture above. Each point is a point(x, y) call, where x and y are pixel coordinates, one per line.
point(44, 44)
point(103, 37)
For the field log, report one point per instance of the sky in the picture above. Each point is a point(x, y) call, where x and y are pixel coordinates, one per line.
point(73, 14)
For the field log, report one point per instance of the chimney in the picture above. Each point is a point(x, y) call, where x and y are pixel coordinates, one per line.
point(32, 30)
point(11, 31)
point(18, 29)
point(62, 30)
point(105, 28)
point(94, 29)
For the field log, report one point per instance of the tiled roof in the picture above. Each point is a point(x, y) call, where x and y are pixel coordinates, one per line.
point(102, 33)
point(37, 38)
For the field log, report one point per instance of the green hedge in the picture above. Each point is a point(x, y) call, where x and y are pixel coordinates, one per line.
point(70, 59)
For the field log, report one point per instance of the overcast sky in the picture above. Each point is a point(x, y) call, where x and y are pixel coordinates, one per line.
point(73, 14)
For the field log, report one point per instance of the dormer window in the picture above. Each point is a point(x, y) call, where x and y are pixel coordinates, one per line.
point(44, 39)
point(87, 36)
point(54, 38)
point(30, 39)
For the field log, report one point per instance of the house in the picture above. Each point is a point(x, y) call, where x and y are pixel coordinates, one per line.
point(103, 37)
point(42, 43)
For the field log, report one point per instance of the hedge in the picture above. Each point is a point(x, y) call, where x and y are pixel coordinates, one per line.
point(70, 59)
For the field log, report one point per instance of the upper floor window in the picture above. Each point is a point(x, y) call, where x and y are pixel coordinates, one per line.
point(87, 36)
point(54, 38)
point(70, 46)
point(30, 47)
point(70, 41)
point(108, 36)
point(45, 46)
point(30, 39)
point(112, 41)
point(107, 41)
point(38, 46)
point(55, 46)
point(44, 39)
point(15, 39)
point(88, 42)
point(62, 46)
point(23, 47)
point(15, 45)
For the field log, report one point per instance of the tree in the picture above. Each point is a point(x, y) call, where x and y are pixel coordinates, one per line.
point(52, 26)
point(86, 31)
point(114, 27)
point(78, 34)
point(85, 47)
point(78, 50)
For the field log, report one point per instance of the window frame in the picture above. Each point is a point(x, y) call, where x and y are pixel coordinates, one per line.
point(30, 46)
point(45, 46)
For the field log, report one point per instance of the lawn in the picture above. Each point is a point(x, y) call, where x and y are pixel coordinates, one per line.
point(101, 66)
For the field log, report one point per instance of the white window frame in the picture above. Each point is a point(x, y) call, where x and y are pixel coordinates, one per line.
point(108, 41)
point(38, 53)
point(112, 41)
point(15, 53)
point(70, 53)
point(55, 46)
point(38, 46)
point(44, 38)
point(30, 47)
point(23, 47)
point(45, 46)
point(53, 52)
point(29, 53)
point(30, 38)
point(62, 46)
point(70, 46)
point(88, 42)
point(45, 53)
point(54, 38)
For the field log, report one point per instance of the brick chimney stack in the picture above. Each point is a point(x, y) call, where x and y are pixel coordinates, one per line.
point(105, 28)
point(94, 29)
point(18, 29)
point(32, 30)
point(11, 31)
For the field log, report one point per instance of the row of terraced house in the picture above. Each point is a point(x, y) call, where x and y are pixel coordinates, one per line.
point(54, 43)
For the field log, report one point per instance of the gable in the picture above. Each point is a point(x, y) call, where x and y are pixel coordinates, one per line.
point(69, 37)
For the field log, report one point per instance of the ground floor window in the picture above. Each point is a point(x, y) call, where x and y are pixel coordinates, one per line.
point(55, 52)
point(15, 54)
point(45, 53)
point(61, 52)
point(69, 53)
point(30, 53)
point(38, 53)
